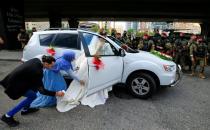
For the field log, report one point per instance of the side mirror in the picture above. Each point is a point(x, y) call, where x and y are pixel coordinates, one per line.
point(121, 52)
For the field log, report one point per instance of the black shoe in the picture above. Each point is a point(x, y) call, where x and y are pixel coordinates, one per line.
point(29, 110)
point(10, 121)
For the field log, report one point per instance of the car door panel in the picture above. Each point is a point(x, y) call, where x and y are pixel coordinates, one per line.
point(106, 76)
point(112, 69)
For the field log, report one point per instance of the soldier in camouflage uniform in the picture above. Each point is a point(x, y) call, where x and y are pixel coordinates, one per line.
point(198, 53)
point(181, 51)
point(125, 39)
point(164, 39)
point(146, 44)
point(192, 40)
point(168, 49)
point(157, 40)
point(172, 39)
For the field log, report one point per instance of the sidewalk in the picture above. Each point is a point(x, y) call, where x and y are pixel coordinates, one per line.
point(9, 55)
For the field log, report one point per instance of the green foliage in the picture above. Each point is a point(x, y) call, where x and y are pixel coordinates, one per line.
point(29, 31)
point(151, 33)
point(130, 31)
point(140, 34)
point(94, 28)
point(108, 31)
point(162, 56)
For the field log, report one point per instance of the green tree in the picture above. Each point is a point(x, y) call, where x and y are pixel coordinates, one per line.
point(108, 31)
point(139, 34)
point(130, 31)
point(94, 28)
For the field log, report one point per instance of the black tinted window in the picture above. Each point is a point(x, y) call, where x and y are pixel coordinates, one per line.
point(66, 40)
point(46, 39)
point(115, 40)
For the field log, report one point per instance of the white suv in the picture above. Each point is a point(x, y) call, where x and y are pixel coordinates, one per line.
point(142, 72)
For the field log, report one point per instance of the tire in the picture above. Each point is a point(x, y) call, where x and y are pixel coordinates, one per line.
point(141, 85)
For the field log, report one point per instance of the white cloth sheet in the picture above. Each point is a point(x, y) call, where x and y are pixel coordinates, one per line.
point(77, 94)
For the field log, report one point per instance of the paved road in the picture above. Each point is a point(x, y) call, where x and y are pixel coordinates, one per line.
point(186, 107)
point(10, 55)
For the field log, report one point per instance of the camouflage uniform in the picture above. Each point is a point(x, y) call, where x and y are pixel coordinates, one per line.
point(181, 52)
point(146, 44)
point(198, 53)
point(157, 42)
point(168, 49)
point(125, 39)
point(163, 42)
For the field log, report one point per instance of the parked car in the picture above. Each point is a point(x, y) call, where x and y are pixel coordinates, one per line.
point(142, 72)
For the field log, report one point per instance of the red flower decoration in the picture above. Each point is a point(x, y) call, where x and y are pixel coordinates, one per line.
point(51, 51)
point(98, 63)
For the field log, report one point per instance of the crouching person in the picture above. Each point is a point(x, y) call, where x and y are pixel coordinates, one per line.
point(25, 81)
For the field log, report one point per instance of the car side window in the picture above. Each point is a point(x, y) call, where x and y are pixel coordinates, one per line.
point(63, 40)
point(66, 40)
point(98, 45)
point(46, 39)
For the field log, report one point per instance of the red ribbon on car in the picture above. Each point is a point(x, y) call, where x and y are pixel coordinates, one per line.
point(51, 51)
point(98, 63)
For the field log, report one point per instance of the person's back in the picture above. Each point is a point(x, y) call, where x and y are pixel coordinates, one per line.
point(25, 81)
point(25, 75)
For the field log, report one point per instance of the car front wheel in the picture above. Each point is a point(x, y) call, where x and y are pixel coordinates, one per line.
point(141, 85)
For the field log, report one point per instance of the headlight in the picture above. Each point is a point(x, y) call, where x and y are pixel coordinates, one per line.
point(169, 68)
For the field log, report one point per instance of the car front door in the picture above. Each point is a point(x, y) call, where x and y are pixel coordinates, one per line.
point(109, 71)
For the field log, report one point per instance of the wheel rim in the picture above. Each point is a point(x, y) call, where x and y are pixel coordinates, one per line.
point(140, 86)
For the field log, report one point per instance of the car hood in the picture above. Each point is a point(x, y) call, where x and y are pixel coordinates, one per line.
point(146, 56)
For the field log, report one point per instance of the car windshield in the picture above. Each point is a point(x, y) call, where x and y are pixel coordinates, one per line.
point(122, 45)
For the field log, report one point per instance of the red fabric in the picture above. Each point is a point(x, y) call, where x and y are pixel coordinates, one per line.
point(98, 63)
point(51, 51)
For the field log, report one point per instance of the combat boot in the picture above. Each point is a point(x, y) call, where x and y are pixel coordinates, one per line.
point(202, 76)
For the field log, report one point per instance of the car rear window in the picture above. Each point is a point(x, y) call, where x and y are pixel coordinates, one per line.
point(62, 40)
point(46, 39)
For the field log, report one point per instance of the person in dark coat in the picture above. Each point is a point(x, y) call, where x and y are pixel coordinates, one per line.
point(26, 80)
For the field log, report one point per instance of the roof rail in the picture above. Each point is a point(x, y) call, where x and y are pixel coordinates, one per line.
point(60, 29)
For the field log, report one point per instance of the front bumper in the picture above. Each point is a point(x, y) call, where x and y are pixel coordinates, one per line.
point(178, 77)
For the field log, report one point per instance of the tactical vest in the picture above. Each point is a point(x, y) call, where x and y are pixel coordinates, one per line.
point(145, 45)
point(200, 51)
